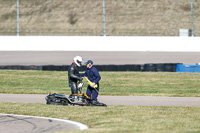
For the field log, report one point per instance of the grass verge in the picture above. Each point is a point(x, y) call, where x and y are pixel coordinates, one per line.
point(112, 83)
point(116, 118)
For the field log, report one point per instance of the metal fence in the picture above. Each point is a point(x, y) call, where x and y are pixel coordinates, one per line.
point(99, 17)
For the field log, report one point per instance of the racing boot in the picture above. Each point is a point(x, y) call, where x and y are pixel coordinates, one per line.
point(97, 103)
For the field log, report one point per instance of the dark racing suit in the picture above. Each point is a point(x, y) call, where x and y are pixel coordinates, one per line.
point(74, 77)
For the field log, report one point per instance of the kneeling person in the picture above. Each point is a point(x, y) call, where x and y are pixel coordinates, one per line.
point(93, 75)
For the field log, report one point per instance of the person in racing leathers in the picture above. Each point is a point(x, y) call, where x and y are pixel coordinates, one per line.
point(93, 75)
point(73, 74)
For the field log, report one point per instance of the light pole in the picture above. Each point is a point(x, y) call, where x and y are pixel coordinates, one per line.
point(192, 19)
point(104, 19)
point(17, 17)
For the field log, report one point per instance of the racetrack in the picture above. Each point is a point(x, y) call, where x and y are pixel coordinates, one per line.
point(14, 124)
point(99, 58)
point(10, 123)
point(113, 100)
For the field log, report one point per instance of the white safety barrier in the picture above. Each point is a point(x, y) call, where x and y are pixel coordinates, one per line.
point(100, 43)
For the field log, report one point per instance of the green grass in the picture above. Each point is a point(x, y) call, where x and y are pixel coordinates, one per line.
point(116, 118)
point(112, 118)
point(112, 83)
point(35, 82)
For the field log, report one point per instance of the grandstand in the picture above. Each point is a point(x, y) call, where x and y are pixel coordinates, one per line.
point(86, 17)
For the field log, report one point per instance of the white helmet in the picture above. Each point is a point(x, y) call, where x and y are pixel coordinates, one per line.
point(78, 60)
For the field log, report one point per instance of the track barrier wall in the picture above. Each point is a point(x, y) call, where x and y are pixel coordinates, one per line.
point(188, 68)
point(161, 67)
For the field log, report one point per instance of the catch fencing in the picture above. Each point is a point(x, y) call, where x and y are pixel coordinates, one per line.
point(99, 17)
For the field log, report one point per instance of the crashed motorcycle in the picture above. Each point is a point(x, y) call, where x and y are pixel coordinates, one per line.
point(80, 99)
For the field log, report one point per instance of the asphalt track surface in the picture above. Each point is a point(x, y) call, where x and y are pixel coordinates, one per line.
point(99, 57)
point(10, 123)
point(113, 100)
point(21, 124)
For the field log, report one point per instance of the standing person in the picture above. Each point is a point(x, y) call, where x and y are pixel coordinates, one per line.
point(73, 74)
point(93, 75)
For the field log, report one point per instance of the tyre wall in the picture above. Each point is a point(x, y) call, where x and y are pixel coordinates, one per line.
point(161, 67)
